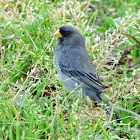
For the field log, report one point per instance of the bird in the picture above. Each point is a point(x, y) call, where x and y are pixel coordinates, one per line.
point(75, 67)
point(74, 64)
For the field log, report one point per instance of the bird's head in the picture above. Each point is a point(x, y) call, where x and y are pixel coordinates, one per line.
point(69, 35)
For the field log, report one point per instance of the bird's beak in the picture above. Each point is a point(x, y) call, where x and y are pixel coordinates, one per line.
point(58, 34)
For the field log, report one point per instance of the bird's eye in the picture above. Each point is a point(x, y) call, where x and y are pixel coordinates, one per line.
point(67, 33)
point(64, 32)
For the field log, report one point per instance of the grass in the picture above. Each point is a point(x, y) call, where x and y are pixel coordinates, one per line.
point(28, 73)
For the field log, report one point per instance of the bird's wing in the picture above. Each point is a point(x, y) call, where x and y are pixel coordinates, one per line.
point(89, 79)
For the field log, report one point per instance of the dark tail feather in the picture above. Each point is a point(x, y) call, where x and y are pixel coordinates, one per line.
point(116, 115)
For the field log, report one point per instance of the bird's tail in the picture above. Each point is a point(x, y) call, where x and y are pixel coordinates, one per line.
point(107, 101)
point(103, 97)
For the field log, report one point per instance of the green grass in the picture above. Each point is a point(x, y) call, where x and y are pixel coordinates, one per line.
point(27, 70)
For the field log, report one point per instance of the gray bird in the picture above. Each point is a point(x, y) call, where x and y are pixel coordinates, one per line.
point(74, 66)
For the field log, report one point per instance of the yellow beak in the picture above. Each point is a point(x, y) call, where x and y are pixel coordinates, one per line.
point(58, 34)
